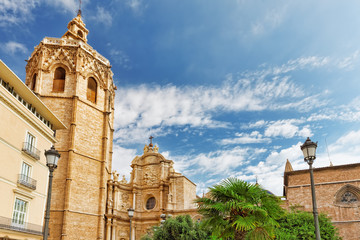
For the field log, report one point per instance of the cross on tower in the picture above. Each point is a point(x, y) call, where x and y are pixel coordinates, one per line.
point(151, 138)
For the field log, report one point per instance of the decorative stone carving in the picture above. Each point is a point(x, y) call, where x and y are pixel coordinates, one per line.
point(146, 148)
point(150, 176)
point(115, 175)
point(156, 149)
point(150, 148)
point(63, 55)
point(123, 201)
point(123, 181)
point(110, 200)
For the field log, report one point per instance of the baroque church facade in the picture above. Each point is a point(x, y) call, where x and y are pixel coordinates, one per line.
point(88, 200)
point(154, 191)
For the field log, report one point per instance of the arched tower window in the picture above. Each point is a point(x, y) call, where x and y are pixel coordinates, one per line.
point(91, 90)
point(33, 82)
point(59, 80)
point(80, 34)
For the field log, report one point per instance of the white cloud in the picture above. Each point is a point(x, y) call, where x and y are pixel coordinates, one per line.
point(257, 124)
point(348, 62)
point(287, 129)
point(148, 106)
point(270, 171)
point(133, 134)
point(122, 158)
point(271, 20)
point(347, 112)
point(120, 58)
point(66, 5)
point(345, 150)
point(219, 162)
point(13, 47)
point(245, 138)
point(16, 12)
point(102, 16)
point(137, 6)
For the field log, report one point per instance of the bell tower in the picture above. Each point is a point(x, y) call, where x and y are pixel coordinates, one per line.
point(76, 83)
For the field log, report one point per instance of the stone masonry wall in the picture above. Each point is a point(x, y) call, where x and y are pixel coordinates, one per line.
point(328, 181)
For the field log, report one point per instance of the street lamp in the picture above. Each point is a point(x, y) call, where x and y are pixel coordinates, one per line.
point(309, 151)
point(131, 214)
point(163, 218)
point(52, 158)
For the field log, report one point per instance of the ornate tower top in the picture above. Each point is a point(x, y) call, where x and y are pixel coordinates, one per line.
point(76, 28)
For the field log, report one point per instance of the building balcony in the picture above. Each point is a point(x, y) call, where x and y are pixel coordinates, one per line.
point(27, 181)
point(8, 224)
point(31, 150)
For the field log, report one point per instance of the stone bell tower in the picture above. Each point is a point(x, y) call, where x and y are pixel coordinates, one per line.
point(76, 83)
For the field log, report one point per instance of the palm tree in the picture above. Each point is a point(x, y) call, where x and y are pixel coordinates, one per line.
point(235, 209)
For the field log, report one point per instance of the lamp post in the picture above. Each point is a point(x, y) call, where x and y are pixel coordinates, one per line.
point(52, 158)
point(131, 214)
point(163, 218)
point(309, 151)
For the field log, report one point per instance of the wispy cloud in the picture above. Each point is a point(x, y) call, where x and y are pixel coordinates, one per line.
point(287, 129)
point(16, 12)
point(13, 47)
point(346, 112)
point(245, 138)
point(137, 6)
point(120, 58)
point(158, 107)
point(270, 20)
point(220, 162)
point(102, 16)
point(349, 62)
point(66, 5)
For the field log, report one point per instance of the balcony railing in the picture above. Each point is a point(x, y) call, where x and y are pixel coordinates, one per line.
point(8, 223)
point(31, 150)
point(27, 181)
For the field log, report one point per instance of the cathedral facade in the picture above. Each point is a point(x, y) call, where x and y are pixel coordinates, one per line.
point(155, 191)
point(76, 83)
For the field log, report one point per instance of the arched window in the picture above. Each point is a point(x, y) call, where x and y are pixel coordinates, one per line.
point(80, 34)
point(59, 80)
point(91, 90)
point(348, 195)
point(33, 82)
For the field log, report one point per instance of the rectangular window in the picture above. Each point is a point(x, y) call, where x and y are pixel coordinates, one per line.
point(19, 214)
point(25, 176)
point(25, 170)
point(30, 141)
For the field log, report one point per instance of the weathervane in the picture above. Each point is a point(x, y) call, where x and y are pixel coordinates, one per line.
point(79, 11)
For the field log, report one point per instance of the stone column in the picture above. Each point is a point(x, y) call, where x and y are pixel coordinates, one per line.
point(113, 234)
point(108, 229)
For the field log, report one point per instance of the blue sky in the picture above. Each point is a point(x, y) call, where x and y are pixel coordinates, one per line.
point(227, 88)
